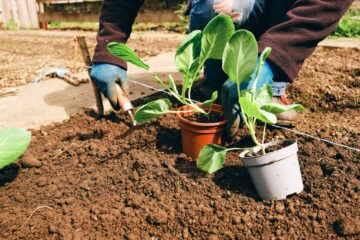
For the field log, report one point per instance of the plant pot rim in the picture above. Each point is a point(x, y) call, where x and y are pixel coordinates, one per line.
point(270, 157)
point(215, 107)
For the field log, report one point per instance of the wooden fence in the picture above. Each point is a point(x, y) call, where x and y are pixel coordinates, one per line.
point(22, 12)
point(37, 13)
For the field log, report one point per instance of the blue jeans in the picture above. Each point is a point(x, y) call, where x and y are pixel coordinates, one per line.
point(200, 14)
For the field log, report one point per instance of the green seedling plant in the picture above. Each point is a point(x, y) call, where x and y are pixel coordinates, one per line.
point(240, 60)
point(190, 58)
point(13, 143)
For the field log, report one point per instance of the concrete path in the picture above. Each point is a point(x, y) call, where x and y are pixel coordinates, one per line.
point(55, 100)
point(341, 43)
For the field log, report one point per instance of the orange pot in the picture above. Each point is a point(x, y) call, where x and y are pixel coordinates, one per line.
point(196, 135)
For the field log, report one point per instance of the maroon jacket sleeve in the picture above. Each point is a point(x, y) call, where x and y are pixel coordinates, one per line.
point(116, 20)
point(307, 23)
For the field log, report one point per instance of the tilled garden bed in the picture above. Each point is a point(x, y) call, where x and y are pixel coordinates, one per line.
point(100, 179)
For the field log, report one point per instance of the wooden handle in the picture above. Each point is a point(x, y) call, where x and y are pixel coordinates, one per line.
point(123, 100)
point(87, 60)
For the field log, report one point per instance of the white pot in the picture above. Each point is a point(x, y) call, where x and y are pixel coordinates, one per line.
point(276, 174)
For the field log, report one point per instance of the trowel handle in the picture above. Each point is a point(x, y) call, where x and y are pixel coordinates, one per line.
point(123, 100)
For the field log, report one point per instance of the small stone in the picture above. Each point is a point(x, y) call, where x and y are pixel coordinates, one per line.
point(347, 226)
point(70, 200)
point(42, 182)
point(235, 219)
point(19, 198)
point(85, 186)
point(77, 235)
point(131, 236)
point(213, 237)
point(115, 212)
point(280, 208)
point(157, 217)
point(93, 217)
point(28, 161)
point(278, 232)
point(43, 133)
point(53, 229)
point(185, 233)
point(135, 176)
point(128, 211)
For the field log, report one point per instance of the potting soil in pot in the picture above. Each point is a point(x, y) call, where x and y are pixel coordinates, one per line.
point(213, 117)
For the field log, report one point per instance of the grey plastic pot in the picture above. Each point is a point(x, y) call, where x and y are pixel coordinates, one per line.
point(275, 175)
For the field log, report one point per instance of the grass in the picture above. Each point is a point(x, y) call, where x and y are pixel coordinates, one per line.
point(349, 25)
point(70, 25)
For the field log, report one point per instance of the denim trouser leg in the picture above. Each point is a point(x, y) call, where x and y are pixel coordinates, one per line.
point(201, 13)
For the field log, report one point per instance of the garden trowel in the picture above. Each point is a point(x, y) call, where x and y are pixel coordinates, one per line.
point(123, 100)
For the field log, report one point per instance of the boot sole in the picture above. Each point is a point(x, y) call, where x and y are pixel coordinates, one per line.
point(285, 123)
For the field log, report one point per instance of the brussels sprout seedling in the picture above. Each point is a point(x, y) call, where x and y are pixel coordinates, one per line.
point(240, 60)
point(13, 143)
point(190, 58)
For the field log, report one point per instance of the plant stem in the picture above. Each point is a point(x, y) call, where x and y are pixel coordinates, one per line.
point(263, 139)
point(253, 136)
point(264, 134)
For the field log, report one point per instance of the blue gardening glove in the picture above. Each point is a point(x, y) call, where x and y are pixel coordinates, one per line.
point(106, 76)
point(229, 98)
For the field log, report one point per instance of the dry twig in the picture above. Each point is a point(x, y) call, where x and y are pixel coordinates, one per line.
point(36, 209)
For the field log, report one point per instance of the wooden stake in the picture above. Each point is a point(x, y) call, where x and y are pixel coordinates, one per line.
point(86, 57)
point(74, 67)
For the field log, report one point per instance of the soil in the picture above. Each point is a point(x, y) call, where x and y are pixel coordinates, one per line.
point(213, 117)
point(100, 179)
point(270, 149)
point(27, 54)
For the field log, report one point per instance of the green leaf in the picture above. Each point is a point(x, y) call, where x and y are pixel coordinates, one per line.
point(251, 110)
point(187, 58)
point(152, 110)
point(240, 56)
point(279, 108)
point(13, 143)
point(265, 54)
point(264, 95)
point(215, 36)
point(211, 158)
point(209, 102)
point(188, 51)
point(125, 53)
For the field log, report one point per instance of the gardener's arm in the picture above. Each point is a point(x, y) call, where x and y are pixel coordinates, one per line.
point(307, 23)
point(116, 20)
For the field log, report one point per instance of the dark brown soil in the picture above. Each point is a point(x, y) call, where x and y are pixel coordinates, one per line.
point(99, 179)
point(213, 117)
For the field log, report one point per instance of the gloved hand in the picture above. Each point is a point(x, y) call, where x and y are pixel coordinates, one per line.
point(229, 98)
point(106, 76)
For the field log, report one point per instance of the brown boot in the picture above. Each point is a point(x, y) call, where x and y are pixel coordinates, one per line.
point(288, 118)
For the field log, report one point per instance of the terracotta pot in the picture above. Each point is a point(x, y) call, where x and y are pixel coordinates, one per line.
point(196, 135)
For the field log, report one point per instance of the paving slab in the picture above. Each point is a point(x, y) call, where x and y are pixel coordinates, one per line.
point(341, 43)
point(54, 100)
